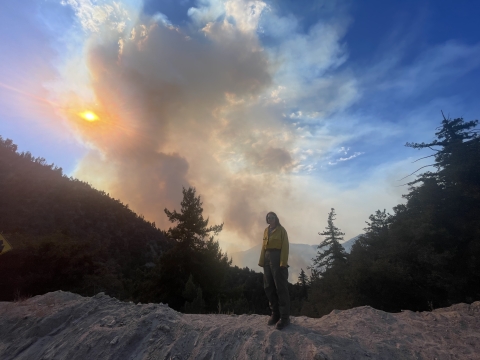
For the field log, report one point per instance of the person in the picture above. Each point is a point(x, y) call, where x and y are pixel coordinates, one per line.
point(274, 260)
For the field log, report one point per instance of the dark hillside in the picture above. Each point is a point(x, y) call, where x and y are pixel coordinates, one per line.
point(69, 236)
point(66, 234)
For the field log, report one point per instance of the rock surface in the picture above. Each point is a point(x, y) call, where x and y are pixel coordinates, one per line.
point(62, 325)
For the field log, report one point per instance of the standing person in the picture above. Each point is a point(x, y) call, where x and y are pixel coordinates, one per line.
point(274, 260)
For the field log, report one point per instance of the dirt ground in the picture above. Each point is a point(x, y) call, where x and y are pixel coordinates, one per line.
point(62, 325)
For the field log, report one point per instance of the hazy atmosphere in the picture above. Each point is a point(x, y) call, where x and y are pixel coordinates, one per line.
point(260, 105)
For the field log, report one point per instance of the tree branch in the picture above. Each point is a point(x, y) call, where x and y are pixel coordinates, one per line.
point(416, 171)
point(423, 158)
point(444, 118)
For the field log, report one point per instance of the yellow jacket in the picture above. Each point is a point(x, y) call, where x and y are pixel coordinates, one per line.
point(278, 240)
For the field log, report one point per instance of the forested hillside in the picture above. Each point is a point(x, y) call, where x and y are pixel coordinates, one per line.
point(66, 234)
point(69, 236)
point(427, 253)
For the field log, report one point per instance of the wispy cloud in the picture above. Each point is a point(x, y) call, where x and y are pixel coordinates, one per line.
point(432, 69)
point(341, 159)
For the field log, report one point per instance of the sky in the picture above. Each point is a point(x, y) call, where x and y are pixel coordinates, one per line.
point(289, 106)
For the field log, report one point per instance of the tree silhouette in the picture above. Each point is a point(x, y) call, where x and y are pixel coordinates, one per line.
point(303, 283)
point(379, 222)
point(196, 253)
point(191, 228)
point(330, 251)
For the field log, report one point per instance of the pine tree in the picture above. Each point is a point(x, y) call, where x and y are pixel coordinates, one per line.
point(196, 252)
point(446, 205)
point(379, 222)
point(191, 228)
point(330, 251)
point(302, 278)
point(303, 283)
point(456, 153)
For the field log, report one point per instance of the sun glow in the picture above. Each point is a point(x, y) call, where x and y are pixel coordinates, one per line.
point(88, 115)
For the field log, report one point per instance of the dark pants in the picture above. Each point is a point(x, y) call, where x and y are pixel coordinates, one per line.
point(275, 282)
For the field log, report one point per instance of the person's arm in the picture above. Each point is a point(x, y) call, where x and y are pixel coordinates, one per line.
point(261, 261)
point(285, 249)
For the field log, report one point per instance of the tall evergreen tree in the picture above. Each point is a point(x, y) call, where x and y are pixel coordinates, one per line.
point(456, 152)
point(302, 278)
point(303, 283)
point(446, 203)
point(196, 252)
point(330, 251)
point(191, 228)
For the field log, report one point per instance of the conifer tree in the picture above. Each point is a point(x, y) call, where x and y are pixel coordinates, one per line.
point(196, 252)
point(303, 282)
point(302, 278)
point(191, 228)
point(379, 222)
point(330, 251)
point(456, 153)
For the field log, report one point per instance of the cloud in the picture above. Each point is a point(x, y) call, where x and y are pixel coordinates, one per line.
point(251, 124)
point(341, 159)
point(439, 65)
point(434, 69)
point(167, 100)
point(244, 100)
point(207, 11)
point(93, 15)
point(244, 15)
point(271, 159)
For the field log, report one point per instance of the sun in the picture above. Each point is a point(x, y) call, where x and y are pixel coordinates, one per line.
point(89, 116)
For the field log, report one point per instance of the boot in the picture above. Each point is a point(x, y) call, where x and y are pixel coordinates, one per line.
point(282, 323)
point(273, 319)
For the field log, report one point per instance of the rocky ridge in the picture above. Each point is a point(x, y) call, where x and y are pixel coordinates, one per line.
point(61, 325)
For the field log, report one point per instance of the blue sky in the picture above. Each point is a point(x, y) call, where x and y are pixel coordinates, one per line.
point(285, 105)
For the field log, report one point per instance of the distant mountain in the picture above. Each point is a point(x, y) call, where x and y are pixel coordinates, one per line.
point(347, 245)
point(300, 257)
